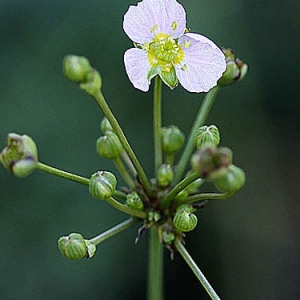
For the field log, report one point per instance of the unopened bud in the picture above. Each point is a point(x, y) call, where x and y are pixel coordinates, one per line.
point(20, 156)
point(231, 180)
point(76, 68)
point(134, 201)
point(76, 247)
point(165, 175)
point(207, 135)
point(105, 125)
point(102, 184)
point(236, 70)
point(172, 139)
point(184, 219)
point(210, 159)
point(109, 146)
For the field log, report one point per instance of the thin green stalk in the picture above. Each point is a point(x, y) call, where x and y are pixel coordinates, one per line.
point(157, 121)
point(155, 267)
point(136, 213)
point(123, 172)
point(128, 162)
point(57, 172)
point(114, 230)
point(199, 121)
point(188, 259)
point(206, 196)
point(178, 188)
point(119, 132)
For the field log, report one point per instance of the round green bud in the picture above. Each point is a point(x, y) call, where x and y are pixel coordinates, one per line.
point(172, 139)
point(168, 237)
point(231, 180)
point(105, 125)
point(20, 156)
point(210, 159)
point(165, 175)
point(207, 135)
point(109, 146)
point(102, 184)
point(74, 246)
point(236, 70)
point(184, 220)
point(134, 201)
point(76, 68)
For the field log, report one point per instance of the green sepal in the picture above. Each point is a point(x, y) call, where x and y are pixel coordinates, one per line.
point(169, 78)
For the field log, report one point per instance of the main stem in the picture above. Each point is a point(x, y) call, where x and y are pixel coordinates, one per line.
point(188, 259)
point(199, 121)
point(157, 121)
point(119, 132)
point(155, 267)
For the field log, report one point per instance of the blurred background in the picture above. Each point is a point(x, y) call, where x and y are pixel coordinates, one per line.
point(247, 246)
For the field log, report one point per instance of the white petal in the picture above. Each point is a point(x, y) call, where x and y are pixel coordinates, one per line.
point(150, 17)
point(137, 67)
point(203, 64)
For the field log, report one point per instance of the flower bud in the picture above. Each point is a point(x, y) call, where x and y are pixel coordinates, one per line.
point(93, 82)
point(165, 175)
point(236, 70)
point(184, 220)
point(172, 139)
point(134, 201)
point(75, 246)
point(76, 68)
point(102, 184)
point(210, 159)
point(105, 126)
point(207, 135)
point(231, 181)
point(20, 156)
point(109, 146)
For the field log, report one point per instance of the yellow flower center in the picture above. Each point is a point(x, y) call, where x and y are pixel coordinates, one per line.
point(164, 51)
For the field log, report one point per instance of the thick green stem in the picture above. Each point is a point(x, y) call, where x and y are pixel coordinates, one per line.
point(188, 259)
point(57, 172)
point(123, 172)
point(178, 188)
point(114, 230)
point(136, 213)
point(119, 132)
point(155, 267)
point(199, 121)
point(157, 121)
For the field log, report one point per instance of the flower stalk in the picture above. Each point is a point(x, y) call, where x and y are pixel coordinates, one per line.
point(199, 121)
point(66, 175)
point(188, 259)
point(119, 132)
point(114, 230)
point(157, 121)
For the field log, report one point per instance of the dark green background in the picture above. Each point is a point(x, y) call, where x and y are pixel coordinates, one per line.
point(247, 246)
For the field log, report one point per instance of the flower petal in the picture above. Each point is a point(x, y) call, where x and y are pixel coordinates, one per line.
point(137, 68)
point(203, 63)
point(150, 17)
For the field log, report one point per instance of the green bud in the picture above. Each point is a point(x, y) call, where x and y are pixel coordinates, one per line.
point(207, 135)
point(20, 156)
point(109, 146)
point(236, 70)
point(76, 68)
point(75, 246)
point(211, 159)
point(168, 237)
point(231, 180)
point(105, 126)
point(172, 139)
point(102, 185)
point(93, 82)
point(153, 216)
point(165, 175)
point(134, 201)
point(184, 220)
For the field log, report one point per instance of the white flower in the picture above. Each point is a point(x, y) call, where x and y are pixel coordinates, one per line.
point(157, 27)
